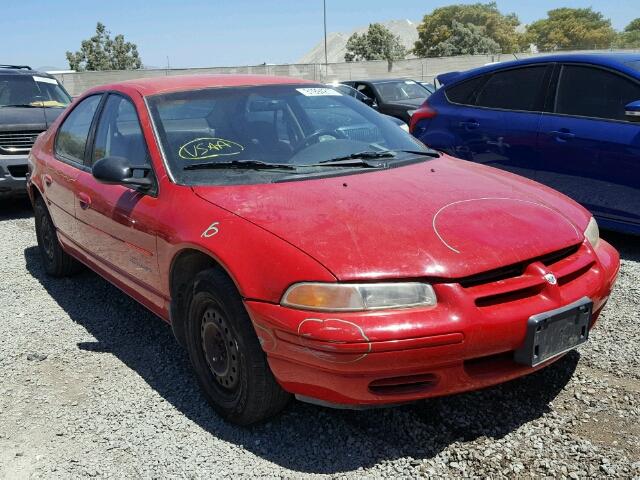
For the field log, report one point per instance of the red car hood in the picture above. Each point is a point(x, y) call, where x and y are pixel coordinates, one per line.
point(443, 218)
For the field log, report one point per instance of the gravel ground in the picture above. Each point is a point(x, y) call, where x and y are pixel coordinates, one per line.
point(91, 384)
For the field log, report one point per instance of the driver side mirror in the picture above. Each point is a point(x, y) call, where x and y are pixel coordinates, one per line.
point(632, 111)
point(119, 171)
point(368, 100)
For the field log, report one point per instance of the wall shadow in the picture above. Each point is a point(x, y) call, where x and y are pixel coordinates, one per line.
point(304, 438)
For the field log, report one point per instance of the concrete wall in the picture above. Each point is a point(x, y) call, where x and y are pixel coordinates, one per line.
point(417, 68)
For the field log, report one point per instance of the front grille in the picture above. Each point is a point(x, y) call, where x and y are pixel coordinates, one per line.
point(516, 270)
point(17, 142)
point(525, 280)
point(18, 171)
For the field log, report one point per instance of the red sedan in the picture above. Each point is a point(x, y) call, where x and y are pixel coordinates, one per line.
point(300, 243)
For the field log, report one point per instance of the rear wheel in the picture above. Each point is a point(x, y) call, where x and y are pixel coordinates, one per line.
point(230, 365)
point(56, 261)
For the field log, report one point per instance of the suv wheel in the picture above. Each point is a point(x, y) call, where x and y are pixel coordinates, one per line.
point(230, 365)
point(56, 261)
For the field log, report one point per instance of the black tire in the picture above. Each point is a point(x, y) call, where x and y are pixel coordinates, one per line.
point(230, 364)
point(56, 261)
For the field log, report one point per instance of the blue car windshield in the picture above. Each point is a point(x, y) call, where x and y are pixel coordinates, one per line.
point(290, 125)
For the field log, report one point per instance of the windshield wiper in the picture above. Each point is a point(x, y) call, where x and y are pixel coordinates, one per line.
point(426, 153)
point(239, 164)
point(360, 156)
point(355, 160)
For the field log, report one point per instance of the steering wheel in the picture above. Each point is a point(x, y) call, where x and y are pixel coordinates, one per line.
point(315, 137)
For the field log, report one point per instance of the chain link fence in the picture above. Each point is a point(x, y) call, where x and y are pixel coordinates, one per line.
point(424, 69)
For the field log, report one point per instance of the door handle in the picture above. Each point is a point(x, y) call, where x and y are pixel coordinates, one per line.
point(562, 134)
point(84, 200)
point(469, 124)
point(47, 179)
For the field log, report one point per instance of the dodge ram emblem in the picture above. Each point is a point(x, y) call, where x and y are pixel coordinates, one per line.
point(551, 279)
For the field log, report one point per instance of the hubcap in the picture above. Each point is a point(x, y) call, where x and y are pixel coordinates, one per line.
point(220, 348)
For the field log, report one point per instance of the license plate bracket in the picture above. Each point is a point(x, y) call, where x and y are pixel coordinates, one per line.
point(553, 333)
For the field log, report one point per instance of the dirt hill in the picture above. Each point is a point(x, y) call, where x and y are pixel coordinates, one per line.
point(336, 42)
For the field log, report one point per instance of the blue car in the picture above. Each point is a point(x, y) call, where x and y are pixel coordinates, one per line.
point(571, 122)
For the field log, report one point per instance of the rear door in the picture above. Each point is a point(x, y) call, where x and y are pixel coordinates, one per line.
point(60, 174)
point(118, 224)
point(498, 124)
point(591, 151)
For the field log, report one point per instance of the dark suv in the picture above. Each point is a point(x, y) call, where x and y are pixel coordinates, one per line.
point(29, 102)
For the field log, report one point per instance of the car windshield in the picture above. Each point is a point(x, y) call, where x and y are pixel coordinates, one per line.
point(258, 134)
point(397, 91)
point(32, 91)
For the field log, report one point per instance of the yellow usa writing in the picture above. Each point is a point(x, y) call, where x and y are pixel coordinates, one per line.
point(201, 148)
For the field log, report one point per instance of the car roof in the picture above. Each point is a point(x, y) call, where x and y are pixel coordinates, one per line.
point(177, 83)
point(22, 70)
point(616, 61)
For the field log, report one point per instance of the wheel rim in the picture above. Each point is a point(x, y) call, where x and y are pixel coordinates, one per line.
point(220, 348)
point(47, 237)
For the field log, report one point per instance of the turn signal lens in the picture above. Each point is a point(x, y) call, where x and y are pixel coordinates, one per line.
point(592, 233)
point(358, 297)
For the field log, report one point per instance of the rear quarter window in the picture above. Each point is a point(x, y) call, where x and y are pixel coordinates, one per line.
point(464, 93)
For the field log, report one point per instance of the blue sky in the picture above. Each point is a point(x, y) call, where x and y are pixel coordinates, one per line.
point(202, 33)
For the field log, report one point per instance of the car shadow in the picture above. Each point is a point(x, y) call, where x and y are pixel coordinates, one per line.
point(304, 438)
point(15, 208)
point(627, 245)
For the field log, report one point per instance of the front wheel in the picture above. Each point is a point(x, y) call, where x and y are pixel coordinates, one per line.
point(230, 365)
point(56, 261)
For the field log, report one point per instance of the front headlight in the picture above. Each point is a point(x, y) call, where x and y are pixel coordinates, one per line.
point(334, 297)
point(592, 233)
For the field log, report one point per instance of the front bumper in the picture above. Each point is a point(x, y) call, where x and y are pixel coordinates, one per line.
point(464, 343)
point(13, 175)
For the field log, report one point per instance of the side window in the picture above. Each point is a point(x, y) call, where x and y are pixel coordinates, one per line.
point(119, 133)
point(366, 90)
point(72, 134)
point(516, 89)
point(465, 93)
point(592, 92)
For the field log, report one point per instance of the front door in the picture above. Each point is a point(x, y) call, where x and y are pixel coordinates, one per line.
point(117, 224)
point(591, 151)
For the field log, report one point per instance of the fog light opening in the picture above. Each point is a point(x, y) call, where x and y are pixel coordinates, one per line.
point(403, 385)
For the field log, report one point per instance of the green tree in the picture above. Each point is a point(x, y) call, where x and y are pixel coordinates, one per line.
point(630, 37)
point(377, 43)
point(466, 39)
point(101, 52)
point(438, 28)
point(572, 28)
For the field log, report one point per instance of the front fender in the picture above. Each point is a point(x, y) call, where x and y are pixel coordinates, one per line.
point(261, 264)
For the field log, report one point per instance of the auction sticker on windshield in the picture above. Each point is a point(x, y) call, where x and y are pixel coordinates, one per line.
point(318, 92)
point(201, 148)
